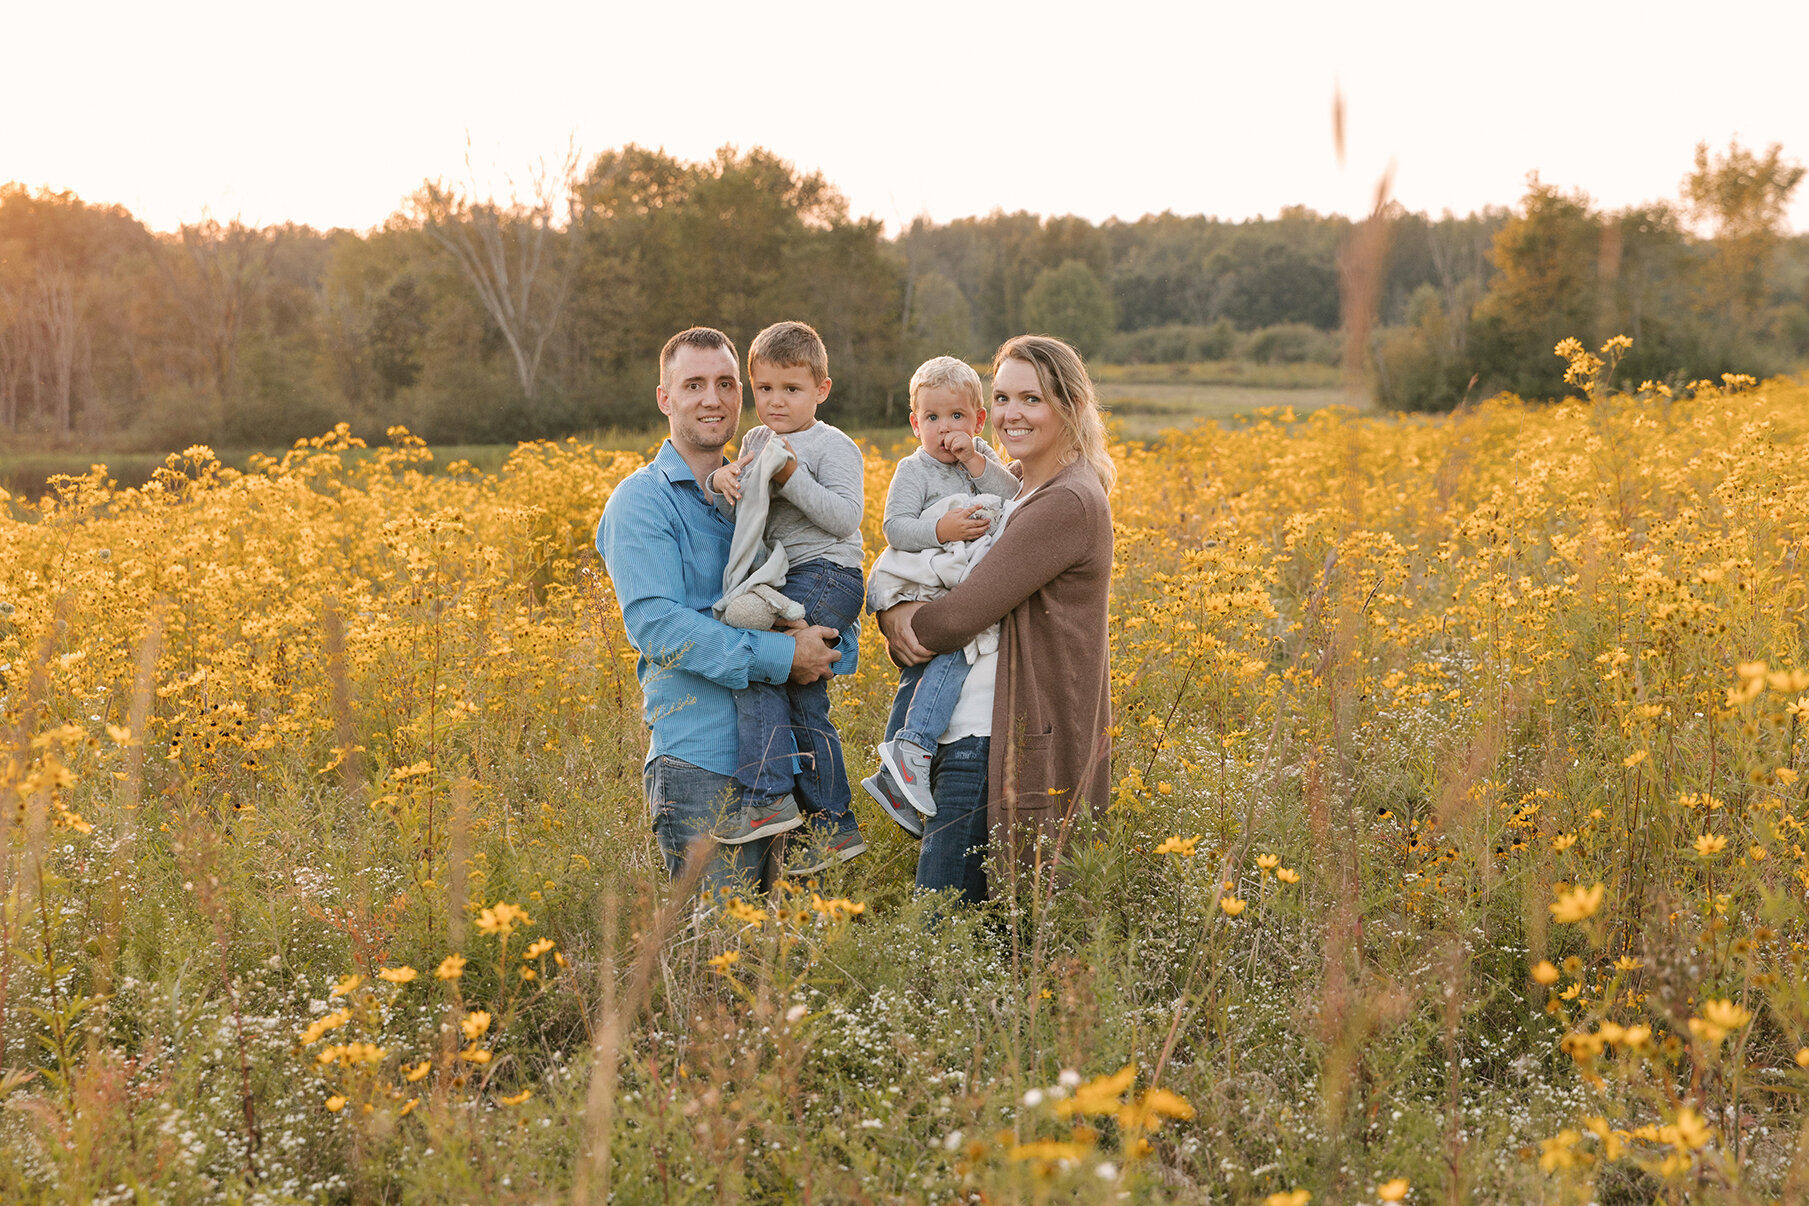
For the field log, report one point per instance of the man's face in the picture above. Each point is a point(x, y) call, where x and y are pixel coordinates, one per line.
point(700, 395)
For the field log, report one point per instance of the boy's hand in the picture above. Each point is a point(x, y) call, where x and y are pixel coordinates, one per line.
point(960, 523)
point(726, 481)
point(791, 466)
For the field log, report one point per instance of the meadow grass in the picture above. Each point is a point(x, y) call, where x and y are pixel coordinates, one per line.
point(1456, 851)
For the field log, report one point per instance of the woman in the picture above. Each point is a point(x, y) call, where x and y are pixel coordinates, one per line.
point(1028, 750)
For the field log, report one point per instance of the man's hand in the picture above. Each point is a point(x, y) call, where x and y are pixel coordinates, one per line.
point(726, 481)
point(812, 656)
point(961, 523)
point(901, 639)
point(960, 445)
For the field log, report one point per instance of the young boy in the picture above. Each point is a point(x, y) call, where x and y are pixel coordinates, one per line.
point(947, 412)
point(814, 513)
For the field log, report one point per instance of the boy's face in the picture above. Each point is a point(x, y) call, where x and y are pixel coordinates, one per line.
point(939, 413)
point(786, 399)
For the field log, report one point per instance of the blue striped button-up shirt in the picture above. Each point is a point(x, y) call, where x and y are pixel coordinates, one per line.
point(665, 548)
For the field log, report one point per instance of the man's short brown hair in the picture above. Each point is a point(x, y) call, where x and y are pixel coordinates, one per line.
point(708, 338)
point(791, 345)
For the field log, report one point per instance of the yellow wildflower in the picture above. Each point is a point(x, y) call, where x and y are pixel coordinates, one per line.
point(1710, 844)
point(475, 1024)
point(1287, 875)
point(1232, 905)
point(1100, 1095)
point(537, 948)
point(1186, 847)
point(397, 975)
point(502, 918)
point(515, 1099)
point(411, 1075)
point(320, 1026)
point(1577, 905)
point(1288, 1197)
point(335, 1103)
point(346, 986)
point(744, 912)
point(451, 967)
point(1392, 1191)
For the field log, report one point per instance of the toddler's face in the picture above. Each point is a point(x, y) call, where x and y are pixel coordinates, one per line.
point(941, 413)
point(786, 399)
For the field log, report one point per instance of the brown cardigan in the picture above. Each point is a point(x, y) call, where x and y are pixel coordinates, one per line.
point(1046, 581)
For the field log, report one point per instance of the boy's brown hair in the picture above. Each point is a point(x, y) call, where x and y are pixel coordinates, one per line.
point(791, 345)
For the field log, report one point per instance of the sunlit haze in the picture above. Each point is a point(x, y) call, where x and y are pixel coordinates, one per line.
point(331, 113)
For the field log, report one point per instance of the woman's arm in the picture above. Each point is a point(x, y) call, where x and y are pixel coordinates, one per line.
point(1044, 537)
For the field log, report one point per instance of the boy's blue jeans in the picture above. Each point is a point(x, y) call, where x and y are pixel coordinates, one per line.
point(932, 690)
point(770, 716)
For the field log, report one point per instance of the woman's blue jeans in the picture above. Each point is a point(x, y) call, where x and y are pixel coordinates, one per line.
point(953, 854)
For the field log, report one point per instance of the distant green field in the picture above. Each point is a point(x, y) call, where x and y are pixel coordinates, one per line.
point(1143, 401)
point(1143, 410)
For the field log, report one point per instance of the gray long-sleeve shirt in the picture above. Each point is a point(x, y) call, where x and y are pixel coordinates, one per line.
point(921, 479)
point(816, 514)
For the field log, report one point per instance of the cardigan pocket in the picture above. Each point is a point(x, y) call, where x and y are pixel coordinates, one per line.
point(1035, 768)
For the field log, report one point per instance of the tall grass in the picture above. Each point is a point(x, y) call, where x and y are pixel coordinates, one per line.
point(1456, 851)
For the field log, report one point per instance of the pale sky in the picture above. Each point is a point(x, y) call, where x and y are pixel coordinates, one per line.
point(331, 113)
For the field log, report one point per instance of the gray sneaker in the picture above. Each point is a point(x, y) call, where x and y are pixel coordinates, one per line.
point(909, 766)
point(892, 802)
point(745, 823)
point(819, 852)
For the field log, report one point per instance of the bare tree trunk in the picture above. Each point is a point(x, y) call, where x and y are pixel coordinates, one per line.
point(57, 321)
point(507, 254)
point(12, 359)
point(229, 265)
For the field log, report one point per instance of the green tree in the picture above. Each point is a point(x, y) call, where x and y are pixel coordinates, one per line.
point(1073, 303)
point(1742, 197)
point(1546, 288)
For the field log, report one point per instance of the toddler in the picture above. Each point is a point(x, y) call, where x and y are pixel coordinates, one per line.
point(944, 500)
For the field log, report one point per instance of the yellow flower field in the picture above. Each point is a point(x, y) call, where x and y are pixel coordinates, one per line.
point(1458, 849)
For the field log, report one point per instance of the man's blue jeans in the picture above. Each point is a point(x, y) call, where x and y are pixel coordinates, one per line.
point(770, 717)
point(686, 801)
point(953, 854)
point(930, 690)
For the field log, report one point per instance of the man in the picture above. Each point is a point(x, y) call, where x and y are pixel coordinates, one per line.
point(665, 547)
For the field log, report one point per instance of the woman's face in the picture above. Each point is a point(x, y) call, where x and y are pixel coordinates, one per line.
point(1029, 425)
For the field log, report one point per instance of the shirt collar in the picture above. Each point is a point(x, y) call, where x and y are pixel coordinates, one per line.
point(672, 466)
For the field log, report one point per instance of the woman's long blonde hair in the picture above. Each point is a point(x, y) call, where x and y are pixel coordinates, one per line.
point(1065, 383)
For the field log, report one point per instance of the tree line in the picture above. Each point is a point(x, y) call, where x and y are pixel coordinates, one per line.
point(478, 319)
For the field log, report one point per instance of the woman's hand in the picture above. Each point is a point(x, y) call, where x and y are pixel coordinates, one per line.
point(901, 639)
